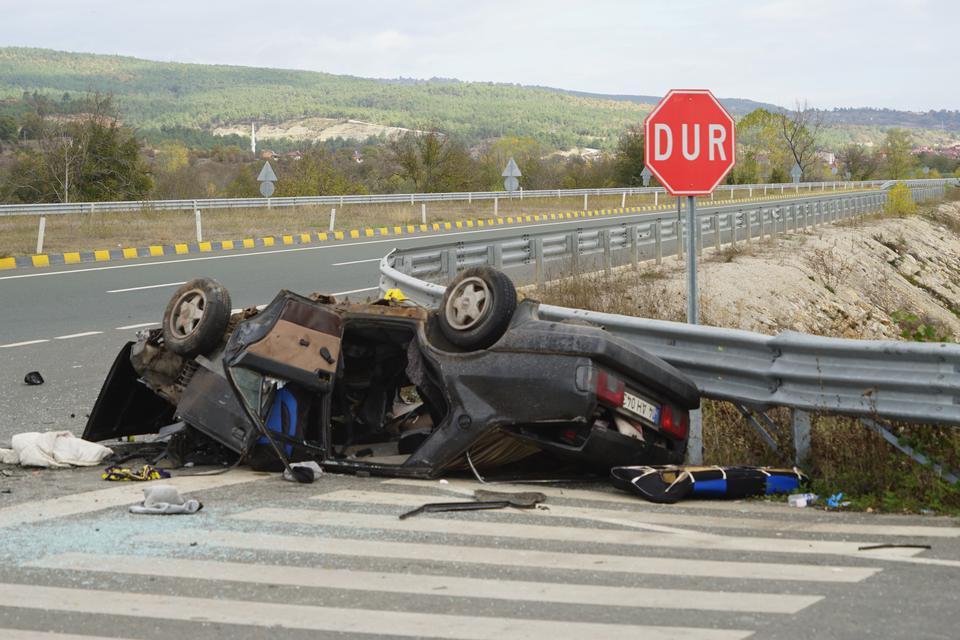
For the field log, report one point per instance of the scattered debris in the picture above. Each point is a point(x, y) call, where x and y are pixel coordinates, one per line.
point(144, 473)
point(304, 472)
point(54, 450)
point(801, 499)
point(670, 484)
point(894, 546)
point(521, 499)
point(836, 501)
point(440, 507)
point(484, 500)
point(33, 378)
point(163, 499)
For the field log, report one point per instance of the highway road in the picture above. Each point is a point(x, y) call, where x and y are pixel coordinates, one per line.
point(69, 322)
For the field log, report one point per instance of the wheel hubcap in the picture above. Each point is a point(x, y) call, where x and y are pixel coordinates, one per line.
point(187, 313)
point(468, 304)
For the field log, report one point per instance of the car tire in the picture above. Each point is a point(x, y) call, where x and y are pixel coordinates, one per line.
point(196, 317)
point(477, 308)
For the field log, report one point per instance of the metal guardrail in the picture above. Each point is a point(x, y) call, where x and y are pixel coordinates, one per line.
point(869, 379)
point(401, 198)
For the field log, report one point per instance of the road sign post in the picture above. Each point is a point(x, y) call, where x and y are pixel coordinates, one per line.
point(510, 174)
point(266, 179)
point(690, 147)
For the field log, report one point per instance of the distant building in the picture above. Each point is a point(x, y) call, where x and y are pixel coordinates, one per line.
point(293, 155)
point(269, 155)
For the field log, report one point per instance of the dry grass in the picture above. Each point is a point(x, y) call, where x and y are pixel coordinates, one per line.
point(87, 232)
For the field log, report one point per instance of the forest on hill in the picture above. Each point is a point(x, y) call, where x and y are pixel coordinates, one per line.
point(186, 102)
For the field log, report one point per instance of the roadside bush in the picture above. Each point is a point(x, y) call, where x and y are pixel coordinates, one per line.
point(900, 201)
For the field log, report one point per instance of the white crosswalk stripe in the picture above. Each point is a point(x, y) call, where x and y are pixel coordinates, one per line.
point(316, 618)
point(530, 563)
point(426, 584)
point(498, 556)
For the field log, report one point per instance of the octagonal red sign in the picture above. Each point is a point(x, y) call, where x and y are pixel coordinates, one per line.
point(690, 142)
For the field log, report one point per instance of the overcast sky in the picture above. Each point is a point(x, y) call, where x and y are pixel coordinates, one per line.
point(888, 53)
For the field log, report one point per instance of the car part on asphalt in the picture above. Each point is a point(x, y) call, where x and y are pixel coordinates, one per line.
point(520, 499)
point(33, 378)
point(390, 388)
point(196, 317)
point(670, 484)
point(442, 507)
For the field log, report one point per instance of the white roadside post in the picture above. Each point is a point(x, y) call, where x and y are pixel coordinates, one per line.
point(423, 213)
point(333, 218)
point(198, 222)
point(40, 232)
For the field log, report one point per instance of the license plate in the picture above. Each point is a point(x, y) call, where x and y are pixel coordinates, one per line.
point(641, 407)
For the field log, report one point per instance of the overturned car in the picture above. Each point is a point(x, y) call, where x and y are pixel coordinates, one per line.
point(391, 388)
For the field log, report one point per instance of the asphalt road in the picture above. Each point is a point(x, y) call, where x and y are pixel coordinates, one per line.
point(266, 558)
point(69, 322)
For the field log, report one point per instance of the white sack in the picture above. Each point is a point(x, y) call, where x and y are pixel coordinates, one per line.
point(57, 449)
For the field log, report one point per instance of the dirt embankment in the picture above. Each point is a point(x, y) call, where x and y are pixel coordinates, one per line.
point(880, 278)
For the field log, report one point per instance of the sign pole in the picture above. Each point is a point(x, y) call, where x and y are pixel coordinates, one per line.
point(693, 303)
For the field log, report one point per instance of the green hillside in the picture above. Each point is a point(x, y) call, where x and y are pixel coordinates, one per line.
point(152, 95)
point(187, 101)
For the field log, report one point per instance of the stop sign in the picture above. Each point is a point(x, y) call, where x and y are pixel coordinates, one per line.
point(690, 142)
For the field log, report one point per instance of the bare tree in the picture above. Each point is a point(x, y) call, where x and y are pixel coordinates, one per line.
point(800, 129)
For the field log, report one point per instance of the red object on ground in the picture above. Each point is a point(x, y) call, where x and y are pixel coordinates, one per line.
point(690, 142)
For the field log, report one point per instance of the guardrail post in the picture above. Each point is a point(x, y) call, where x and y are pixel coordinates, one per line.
point(750, 194)
point(496, 206)
point(585, 200)
point(748, 218)
point(573, 239)
point(781, 189)
point(40, 232)
point(199, 223)
point(679, 235)
point(450, 268)
point(634, 239)
point(333, 218)
point(695, 439)
point(764, 189)
point(538, 260)
point(760, 220)
point(495, 256)
point(800, 424)
point(716, 231)
point(623, 200)
point(607, 250)
point(656, 198)
point(469, 198)
point(657, 241)
point(423, 213)
point(732, 217)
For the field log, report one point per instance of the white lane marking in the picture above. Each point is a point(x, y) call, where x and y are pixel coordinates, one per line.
point(22, 344)
point(150, 286)
point(320, 247)
point(343, 264)
point(344, 293)
point(25, 634)
point(434, 585)
point(90, 501)
point(267, 615)
point(78, 335)
point(677, 539)
point(498, 556)
point(641, 512)
point(137, 326)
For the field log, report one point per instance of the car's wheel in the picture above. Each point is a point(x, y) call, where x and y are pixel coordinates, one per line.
point(196, 317)
point(477, 308)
